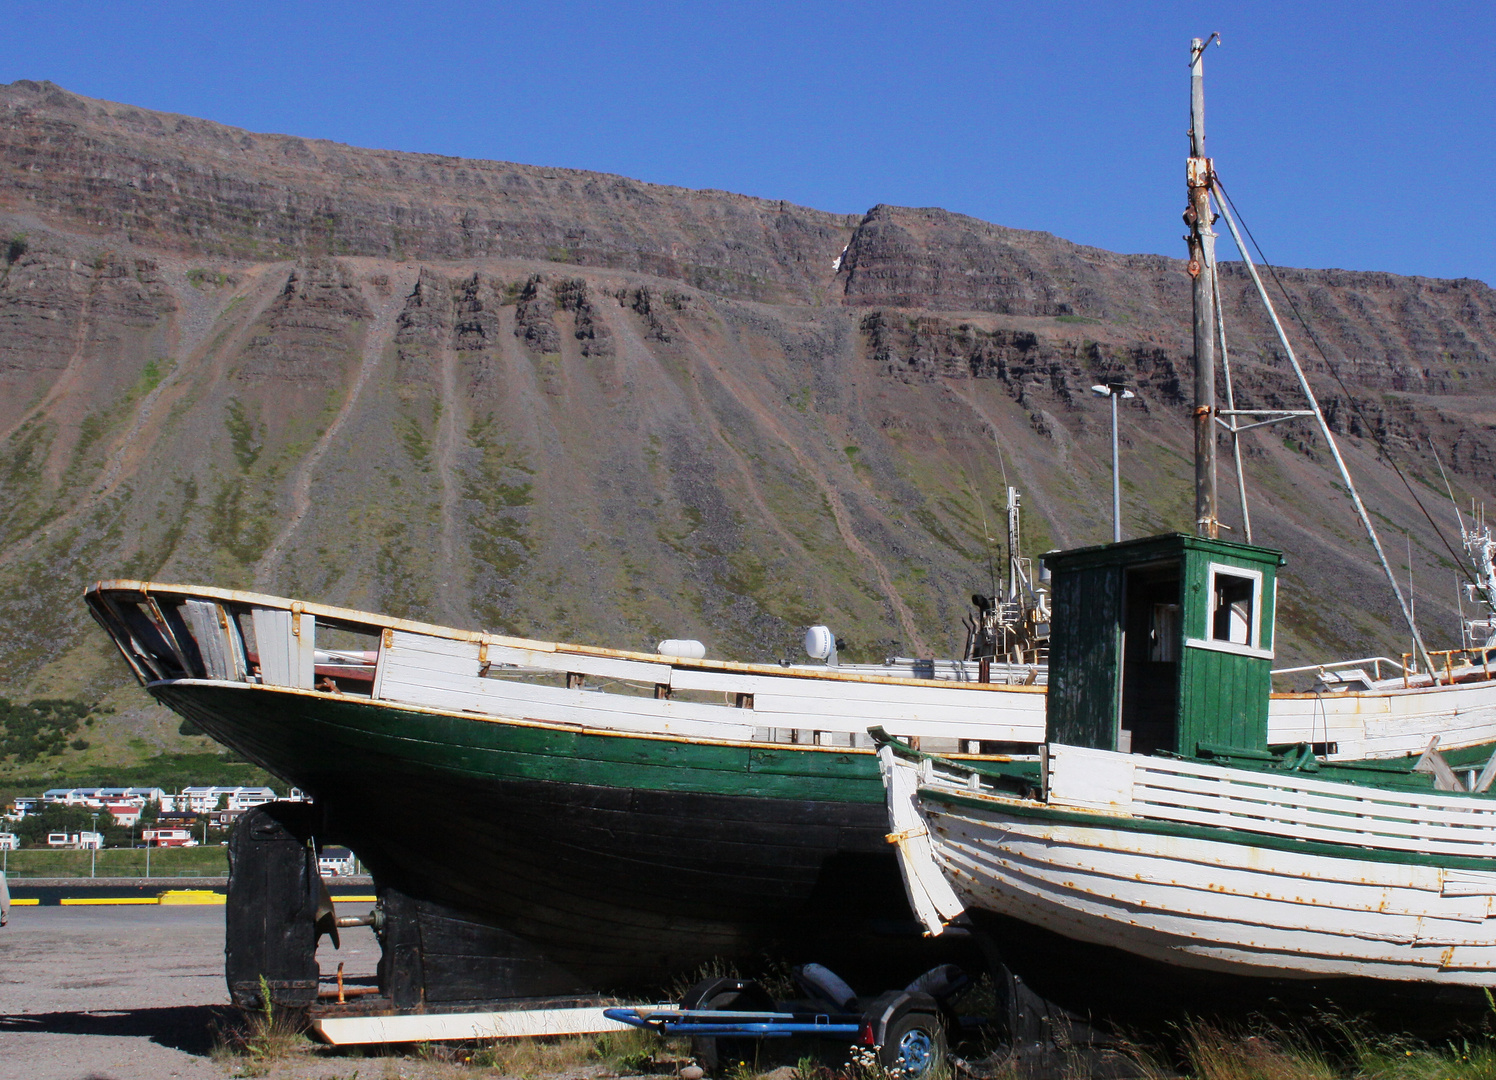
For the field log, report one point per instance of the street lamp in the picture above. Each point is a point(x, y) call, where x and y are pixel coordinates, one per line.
point(1114, 391)
point(93, 847)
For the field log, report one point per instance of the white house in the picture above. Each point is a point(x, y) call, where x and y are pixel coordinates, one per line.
point(335, 862)
point(200, 800)
point(26, 804)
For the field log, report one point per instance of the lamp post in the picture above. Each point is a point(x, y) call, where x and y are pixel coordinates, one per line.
point(1114, 391)
point(93, 847)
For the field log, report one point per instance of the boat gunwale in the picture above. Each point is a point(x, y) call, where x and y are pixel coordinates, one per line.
point(1103, 819)
point(390, 622)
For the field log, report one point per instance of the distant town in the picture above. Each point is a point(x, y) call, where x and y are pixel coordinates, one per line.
point(99, 817)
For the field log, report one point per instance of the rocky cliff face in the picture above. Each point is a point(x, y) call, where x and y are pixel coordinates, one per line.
point(581, 407)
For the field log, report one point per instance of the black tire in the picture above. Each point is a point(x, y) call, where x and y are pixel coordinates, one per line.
point(717, 1055)
point(914, 1045)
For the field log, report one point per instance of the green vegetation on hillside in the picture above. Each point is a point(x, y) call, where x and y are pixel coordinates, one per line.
point(41, 728)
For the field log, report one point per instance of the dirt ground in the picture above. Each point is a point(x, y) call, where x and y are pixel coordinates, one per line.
point(120, 993)
point(138, 993)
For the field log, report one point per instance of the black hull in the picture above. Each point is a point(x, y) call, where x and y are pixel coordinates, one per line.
point(610, 887)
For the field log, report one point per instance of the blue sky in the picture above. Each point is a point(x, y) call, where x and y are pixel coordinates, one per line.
point(1356, 135)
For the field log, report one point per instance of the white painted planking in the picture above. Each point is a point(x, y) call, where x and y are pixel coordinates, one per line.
point(463, 657)
point(426, 670)
point(1437, 802)
point(286, 658)
point(439, 656)
point(1091, 779)
point(996, 722)
point(1352, 814)
point(1173, 918)
point(1375, 902)
point(1459, 882)
point(830, 688)
point(1356, 885)
point(1386, 723)
point(217, 642)
point(930, 895)
point(602, 667)
point(1217, 943)
point(1204, 902)
point(406, 679)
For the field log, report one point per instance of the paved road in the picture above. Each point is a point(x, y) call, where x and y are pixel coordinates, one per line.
point(121, 992)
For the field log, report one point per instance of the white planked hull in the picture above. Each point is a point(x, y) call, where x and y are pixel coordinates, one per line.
point(1108, 875)
point(1192, 903)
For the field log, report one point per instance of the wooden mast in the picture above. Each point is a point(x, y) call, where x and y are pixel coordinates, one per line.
point(1201, 240)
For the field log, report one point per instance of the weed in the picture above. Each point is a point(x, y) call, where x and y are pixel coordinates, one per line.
point(1214, 1054)
point(808, 1068)
point(267, 1034)
point(624, 1052)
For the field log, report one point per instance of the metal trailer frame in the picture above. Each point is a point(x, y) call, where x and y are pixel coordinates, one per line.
point(701, 1023)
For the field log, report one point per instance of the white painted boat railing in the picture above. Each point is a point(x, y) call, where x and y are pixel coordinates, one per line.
point(170, 632)
point(1293, 806)
point(425, 670)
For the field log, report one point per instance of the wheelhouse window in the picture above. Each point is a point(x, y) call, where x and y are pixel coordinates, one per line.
point(1235, 605)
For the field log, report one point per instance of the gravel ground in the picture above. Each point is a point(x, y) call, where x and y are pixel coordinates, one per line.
point(122, 992)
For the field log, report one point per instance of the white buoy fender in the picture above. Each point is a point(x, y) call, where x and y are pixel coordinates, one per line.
point(685, 648)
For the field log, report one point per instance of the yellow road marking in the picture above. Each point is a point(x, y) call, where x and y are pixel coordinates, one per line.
point(93, 901)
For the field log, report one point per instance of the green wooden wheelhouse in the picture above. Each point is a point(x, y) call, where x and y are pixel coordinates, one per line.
point(1164, 643)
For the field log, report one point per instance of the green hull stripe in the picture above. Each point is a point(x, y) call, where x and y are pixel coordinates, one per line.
point(1204, 832)
point(338, 736)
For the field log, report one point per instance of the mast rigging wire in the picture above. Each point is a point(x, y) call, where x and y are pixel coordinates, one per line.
point(1335, 373)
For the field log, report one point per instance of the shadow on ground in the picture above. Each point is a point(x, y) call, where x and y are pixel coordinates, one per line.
point(189, 1028)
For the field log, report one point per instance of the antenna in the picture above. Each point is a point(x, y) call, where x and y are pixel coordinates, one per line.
point(1447, 488)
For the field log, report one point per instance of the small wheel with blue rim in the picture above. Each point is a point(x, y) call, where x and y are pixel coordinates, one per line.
point(913, 1046)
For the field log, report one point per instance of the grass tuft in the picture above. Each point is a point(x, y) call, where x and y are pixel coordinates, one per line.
point(260, 1037)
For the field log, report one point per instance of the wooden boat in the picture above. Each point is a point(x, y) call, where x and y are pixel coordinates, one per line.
point(1163, 855)
point(625, 817)
point(1195, 864)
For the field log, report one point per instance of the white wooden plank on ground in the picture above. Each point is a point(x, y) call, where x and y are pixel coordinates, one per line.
point(445, 1027)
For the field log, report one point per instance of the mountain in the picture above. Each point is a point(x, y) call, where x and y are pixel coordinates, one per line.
point(576, 406)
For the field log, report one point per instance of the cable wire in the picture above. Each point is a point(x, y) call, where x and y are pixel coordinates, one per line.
point(1335, 373)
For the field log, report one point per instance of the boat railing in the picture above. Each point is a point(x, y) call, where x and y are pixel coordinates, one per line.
point(1376, 663)
point(1472, 664)
point(172, 632)
point(1301, 808)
